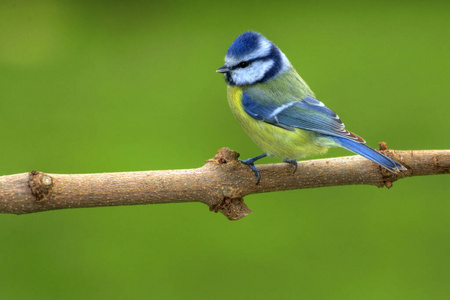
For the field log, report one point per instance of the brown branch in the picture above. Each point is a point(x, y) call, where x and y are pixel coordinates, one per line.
point(221, 183)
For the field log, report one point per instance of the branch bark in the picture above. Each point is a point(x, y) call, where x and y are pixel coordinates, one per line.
point(221, 183)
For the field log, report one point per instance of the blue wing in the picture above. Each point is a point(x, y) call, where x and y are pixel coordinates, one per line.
point(309, 114)
point(313, 115)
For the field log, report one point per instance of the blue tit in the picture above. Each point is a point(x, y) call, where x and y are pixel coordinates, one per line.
point(279, 111)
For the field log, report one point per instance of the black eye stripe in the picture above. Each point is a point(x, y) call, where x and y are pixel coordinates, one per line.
point(244, 64)
point(249, 62)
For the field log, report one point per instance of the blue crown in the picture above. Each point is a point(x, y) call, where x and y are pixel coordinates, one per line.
point(244, 44)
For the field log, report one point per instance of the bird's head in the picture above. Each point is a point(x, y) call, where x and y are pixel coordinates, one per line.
point(252, 59)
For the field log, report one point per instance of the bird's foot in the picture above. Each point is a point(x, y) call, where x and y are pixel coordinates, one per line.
point(251, 163)
point(292, 162)
point(255, 170)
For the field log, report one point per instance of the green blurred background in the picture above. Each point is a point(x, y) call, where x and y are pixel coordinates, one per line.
point(106, 86)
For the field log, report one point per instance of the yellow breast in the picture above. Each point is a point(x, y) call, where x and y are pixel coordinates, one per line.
point(271, 139)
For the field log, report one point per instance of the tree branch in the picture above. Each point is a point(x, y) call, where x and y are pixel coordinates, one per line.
point(221, 183)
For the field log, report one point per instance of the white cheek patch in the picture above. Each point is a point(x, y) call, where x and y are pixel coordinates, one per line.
point(252, 73)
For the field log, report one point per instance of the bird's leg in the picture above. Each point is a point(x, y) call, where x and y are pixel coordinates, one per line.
point(251, 163)
point(292, 162)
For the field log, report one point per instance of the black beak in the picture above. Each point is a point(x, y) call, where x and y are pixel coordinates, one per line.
point(223, 69)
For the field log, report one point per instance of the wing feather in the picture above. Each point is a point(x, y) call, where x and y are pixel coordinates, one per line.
point(309, 114)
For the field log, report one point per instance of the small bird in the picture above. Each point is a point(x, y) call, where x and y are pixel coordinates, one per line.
point(279, 111)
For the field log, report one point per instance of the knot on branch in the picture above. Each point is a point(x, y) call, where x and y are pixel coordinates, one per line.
point(224, 155)
point(232, 208)
point(226, 195)
point(382, 146)
point(41, 185)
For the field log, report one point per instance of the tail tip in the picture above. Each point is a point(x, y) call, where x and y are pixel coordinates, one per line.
point(397, 168)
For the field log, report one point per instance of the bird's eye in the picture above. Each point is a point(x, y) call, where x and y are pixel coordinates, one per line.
point(244, 64)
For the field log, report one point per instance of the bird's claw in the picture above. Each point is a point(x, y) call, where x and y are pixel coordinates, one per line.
point(251, 163)
point(292, 162)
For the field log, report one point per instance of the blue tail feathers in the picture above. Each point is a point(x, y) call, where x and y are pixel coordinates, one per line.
point(371, 154)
